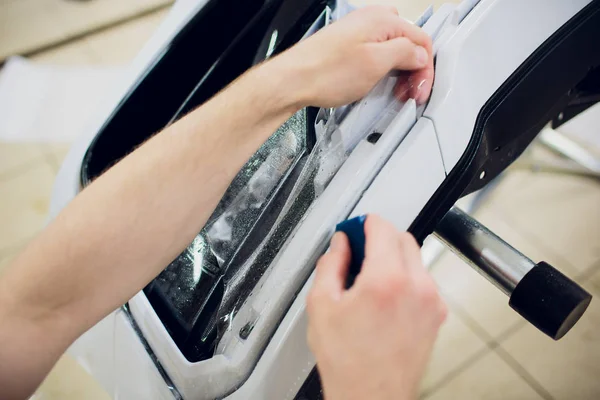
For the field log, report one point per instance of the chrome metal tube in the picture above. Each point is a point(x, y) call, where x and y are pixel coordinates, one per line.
point(491, 256)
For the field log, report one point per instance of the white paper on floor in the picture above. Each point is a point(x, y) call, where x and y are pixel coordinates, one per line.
point(46, 103)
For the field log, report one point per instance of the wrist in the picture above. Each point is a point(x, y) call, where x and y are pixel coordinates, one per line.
point(288, 82)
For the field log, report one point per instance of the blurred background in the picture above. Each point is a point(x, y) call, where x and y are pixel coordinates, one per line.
point(58, 56)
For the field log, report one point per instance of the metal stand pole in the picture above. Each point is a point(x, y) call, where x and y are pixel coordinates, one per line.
point(541, 294)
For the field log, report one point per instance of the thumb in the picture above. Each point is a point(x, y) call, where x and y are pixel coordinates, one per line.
point(332, 268)
point(402, 54)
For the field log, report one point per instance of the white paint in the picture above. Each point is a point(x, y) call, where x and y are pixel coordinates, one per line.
point(408, 180)
point(473, 61)
point(478, 55)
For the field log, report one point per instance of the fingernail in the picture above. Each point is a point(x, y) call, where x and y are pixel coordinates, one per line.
point(419, 93)
point(422, 95)
point(421, 56)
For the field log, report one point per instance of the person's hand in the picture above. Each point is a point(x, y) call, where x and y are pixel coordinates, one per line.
point(373, 341)
point(343, 61)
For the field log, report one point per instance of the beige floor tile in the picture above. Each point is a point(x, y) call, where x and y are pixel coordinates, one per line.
point(511, 183)
point(25, 199)
point(121, 44)
point(82, 16)
point(15, 156)
point(456, 344)
point(69, 381)
point(27, 24)
point(561, 213)
point(568, 369)
point(489, 378)
point(76, 53)
point(474, 294)
point(487, 305)
point(595, 278)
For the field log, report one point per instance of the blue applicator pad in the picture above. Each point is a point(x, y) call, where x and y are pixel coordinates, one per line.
point(354, 228)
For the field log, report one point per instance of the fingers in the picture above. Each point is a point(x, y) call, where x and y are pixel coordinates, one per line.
point(382, 250)
point(399, 27)
point(408, 48)
point(424, 285)
point(380, 237)
point(403, 54)
point(416, 86)
point(389, 250)
point(383, 23)
point(421, 81)
point(411, 251)
point(332, 268)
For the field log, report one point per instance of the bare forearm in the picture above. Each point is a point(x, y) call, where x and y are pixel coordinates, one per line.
point(131, 222)
point(144, 211)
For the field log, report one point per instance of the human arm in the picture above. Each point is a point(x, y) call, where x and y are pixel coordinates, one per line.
point(374, 340)
point(124, 228)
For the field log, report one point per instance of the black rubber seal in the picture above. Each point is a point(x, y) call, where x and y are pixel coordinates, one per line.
point(311, 388)
point(512, 117)
point(549, 300)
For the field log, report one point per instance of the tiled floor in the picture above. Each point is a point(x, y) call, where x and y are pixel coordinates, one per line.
point(553, 370)
point(485, 351)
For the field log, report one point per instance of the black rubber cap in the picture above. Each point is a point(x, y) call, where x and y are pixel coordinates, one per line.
point(549, 300)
